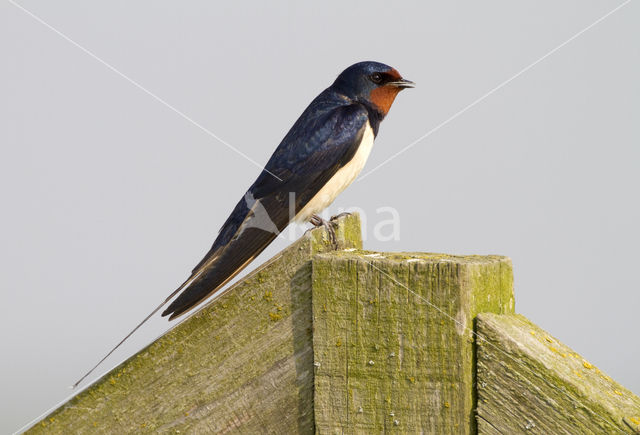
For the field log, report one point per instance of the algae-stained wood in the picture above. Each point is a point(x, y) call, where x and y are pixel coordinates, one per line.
point(242, 364)
point(529, 382)
point(393, 342)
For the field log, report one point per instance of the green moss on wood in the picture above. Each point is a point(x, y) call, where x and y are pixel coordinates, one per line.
point(392, 338)
point(530, 381)
point(243, 362)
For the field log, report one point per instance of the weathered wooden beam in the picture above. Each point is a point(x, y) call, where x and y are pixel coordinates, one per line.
point(529, 382)
point(355, 342)
point(243, 363)
point(393, 344)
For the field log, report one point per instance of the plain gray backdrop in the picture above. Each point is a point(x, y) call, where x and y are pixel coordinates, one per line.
point(109, 198)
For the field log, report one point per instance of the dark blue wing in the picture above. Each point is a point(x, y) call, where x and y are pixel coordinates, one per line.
point(325, 138)
point(320, 140)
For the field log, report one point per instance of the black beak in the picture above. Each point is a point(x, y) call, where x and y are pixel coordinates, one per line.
point(402, 84)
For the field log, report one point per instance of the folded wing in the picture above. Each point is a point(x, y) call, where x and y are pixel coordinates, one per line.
point(321, 142)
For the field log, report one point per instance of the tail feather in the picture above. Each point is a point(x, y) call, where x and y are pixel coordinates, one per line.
point(220, 271)
point(251, 227)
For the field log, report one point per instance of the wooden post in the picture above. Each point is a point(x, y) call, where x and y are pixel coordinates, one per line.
point(243, 363)
point(393, 344)
point(530, 382)
point(350, 341)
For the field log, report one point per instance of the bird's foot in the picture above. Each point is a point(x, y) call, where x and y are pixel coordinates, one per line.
point(317, 221)
point(338, 216)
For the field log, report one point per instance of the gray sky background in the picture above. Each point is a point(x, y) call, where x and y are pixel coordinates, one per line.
point(109, 198)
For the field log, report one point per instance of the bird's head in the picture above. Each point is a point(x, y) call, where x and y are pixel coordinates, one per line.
point(373, 83)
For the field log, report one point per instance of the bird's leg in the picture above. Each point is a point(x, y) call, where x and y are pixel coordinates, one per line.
point(317, 221)
point(338, 216)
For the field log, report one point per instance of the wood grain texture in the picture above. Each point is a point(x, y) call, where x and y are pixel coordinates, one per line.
point(529, 382)
point(244, 363)
point(392, 343)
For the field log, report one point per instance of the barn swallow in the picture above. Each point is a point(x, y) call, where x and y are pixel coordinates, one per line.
point(320, 156)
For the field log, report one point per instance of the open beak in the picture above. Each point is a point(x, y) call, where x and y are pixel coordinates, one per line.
point(402, 84)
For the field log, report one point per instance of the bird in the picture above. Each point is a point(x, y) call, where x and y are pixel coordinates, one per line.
point(320, 156)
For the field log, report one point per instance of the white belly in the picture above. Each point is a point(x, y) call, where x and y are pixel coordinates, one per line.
point(340, 180)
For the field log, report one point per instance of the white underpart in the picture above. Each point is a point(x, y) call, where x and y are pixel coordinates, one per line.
point(343, 178)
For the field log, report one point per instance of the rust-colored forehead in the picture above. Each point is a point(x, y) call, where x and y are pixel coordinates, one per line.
point(394, 73)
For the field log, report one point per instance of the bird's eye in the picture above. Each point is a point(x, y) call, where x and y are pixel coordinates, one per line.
point(376, 78)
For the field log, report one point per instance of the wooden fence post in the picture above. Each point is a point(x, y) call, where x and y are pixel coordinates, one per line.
point(350, 341)
point(393, 343)
point(529, 382)
point(244, 362)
